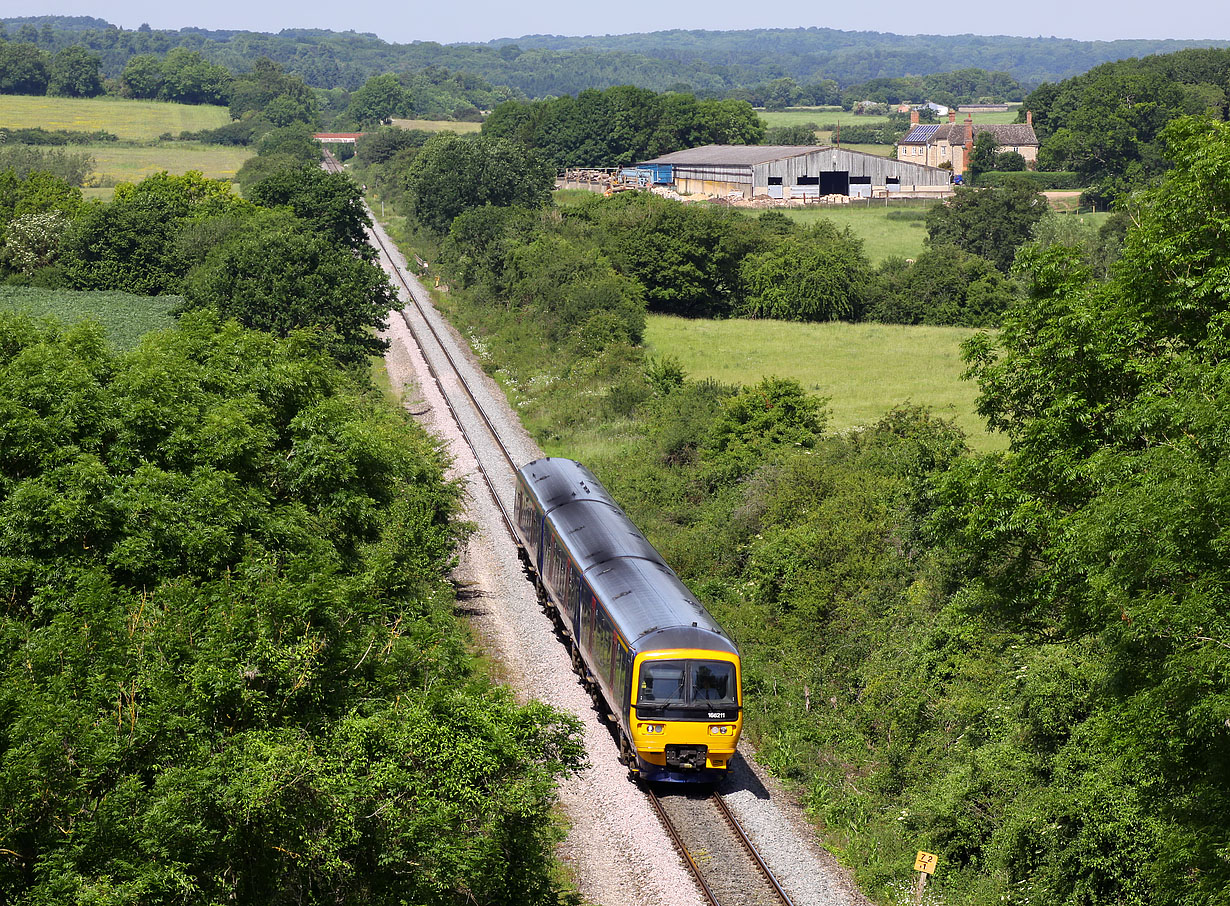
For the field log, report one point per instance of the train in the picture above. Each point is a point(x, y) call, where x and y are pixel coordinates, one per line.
point(668, 675)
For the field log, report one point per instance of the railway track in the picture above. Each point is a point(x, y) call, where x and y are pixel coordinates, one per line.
point(725, 863)
point(721, 856)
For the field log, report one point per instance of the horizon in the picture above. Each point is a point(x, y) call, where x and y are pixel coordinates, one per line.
point(461, 23)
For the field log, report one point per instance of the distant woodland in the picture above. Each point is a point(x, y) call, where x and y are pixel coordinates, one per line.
point(706, 63)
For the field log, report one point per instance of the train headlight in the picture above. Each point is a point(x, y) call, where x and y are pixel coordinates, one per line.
point(720, 731)
point(653, 728)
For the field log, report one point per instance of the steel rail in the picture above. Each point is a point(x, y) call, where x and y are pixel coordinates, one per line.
point(751, 848)
point(683, 850)
point(334, 166)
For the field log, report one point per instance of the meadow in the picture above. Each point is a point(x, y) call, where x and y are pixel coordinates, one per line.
point(125, 317)
point(138, 124)
point(864, 369)
point(461, 128)
point(896, 231)
point(137, 121)
point(115, 162)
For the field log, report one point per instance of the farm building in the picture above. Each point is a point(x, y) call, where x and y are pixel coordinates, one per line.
point(792, 171)
point(953, 142)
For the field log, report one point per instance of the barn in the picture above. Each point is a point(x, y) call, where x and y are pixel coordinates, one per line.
point(792, 171)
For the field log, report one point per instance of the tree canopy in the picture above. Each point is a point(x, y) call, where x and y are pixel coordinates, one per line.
point(229, 669)
point(991, 223)
point(452, 174)
point(1103, 520)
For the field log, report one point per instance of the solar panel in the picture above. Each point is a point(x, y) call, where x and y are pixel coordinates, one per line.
point(921, 133)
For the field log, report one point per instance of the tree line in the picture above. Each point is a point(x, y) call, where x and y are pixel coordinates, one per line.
point(705, 63)
point(1108, 125)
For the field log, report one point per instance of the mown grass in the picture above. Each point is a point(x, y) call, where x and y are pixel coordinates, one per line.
point(439, 126)
point(124, 316)
point(114, 162)
point(130, 120)
point(864, 369)
point(884, 230)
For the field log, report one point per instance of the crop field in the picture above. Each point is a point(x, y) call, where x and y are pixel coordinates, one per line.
point(130, 120)
point(124, 316)
point(864, 369)
point(439, 126)
point(115, 162)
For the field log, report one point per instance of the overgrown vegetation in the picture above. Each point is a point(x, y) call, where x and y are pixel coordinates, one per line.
point(230, 669)
point(1017, 660)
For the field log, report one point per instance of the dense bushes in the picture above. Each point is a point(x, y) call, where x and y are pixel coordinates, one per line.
point(224, 569)
point(306, 268)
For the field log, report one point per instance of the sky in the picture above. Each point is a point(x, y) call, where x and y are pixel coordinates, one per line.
point(483, 20)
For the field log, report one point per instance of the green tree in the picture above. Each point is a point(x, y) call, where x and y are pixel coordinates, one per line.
point(75, 73)
point(280, 275)
point(452, 174)
point(24, 69)
point(330, 202)
point(1100, 521)
point(380, 99)
point(945, 285)
point(142, 77)
point(991, 223)
point(296, 140)
point(820, 275)
point(130, 244)
point(982, 158)
point(188, 78)
point(224, 547)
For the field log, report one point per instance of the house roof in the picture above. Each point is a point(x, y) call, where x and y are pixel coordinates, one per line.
point(736, 155)
point(954, 133)
point(919, 135)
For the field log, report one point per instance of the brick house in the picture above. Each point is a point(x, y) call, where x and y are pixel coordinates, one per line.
point(952, 142)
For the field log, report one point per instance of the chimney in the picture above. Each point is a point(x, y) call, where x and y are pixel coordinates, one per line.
point(1029, 118)
point(952, 114)
point(913, 117)
point(969, 141)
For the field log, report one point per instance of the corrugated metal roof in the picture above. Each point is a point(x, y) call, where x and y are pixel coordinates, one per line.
point(736, 155)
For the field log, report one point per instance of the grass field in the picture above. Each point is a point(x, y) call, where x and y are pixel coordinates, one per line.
point(124, 317)
point(800, 116)
point(883, 236)
point(864, 369)
point(116, 162)
point(130, 120)
point(439, 126)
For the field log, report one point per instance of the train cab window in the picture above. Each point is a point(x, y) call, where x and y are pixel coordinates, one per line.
point(662, 683)
point(697, 684)
point(713, 681)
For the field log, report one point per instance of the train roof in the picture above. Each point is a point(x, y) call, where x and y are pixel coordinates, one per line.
point(650, 605)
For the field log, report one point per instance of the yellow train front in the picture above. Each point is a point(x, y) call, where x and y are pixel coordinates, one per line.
point(666, 670)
